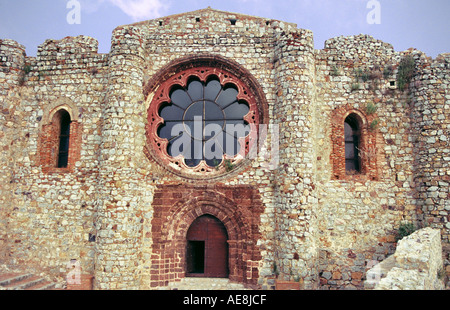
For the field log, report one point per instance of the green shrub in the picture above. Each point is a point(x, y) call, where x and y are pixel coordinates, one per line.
point(228, 165)
point(374, 124)
point(387, 72)
point(334, 71)
point(404, 230)
point(355, 86)
point(406, 71)
point(27, 69)
point(371, 108)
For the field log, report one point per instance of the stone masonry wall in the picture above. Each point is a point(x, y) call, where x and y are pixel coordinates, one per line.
point(50, 214)
point(12, 60)
point(430, 97)
point(361, 213)
point(295, 189)
point(246, 41)
point(314, 222)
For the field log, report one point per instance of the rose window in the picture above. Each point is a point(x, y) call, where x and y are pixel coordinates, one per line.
point(202, 121)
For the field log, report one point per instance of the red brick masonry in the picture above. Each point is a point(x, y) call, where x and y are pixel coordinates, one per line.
point(177, 206)
point(367, 144)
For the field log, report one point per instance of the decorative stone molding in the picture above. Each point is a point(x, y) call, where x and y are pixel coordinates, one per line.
point(177, 207)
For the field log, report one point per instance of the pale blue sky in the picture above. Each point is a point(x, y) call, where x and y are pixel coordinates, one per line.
point(422, 24)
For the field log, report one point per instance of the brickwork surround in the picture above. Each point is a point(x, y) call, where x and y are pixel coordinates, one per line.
point(367, 146)
point(202, 65)
point(177, 206)
point(48, 143)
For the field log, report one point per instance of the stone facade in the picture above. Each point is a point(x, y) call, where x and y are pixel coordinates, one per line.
point(122, 214)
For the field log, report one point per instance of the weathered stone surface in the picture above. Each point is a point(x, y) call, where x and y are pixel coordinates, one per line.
point(304, 219)
point(416, 265)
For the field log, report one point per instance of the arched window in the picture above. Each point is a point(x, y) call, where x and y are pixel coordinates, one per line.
point(203, 121)
point(59, 142)
point(352, 143)
point(354, 152)
point(62, 119)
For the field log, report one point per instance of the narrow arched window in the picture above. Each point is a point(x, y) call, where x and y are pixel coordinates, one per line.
point(63, 118)
point(59, 142)
point(352, 142)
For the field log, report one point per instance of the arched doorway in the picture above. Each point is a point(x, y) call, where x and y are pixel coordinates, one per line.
point(238, 208)
point(207, 248)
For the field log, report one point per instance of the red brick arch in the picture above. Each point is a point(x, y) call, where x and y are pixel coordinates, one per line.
point(221, 207)
point(173, 217)
point(49, 136)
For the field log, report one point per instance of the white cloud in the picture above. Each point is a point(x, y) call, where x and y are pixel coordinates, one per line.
point(136, 9)
point(140, 9)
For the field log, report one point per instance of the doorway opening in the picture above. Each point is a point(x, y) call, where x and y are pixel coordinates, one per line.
point(207, 248)
point(196, 258)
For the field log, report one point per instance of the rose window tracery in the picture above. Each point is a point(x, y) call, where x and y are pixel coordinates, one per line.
point(202, 121)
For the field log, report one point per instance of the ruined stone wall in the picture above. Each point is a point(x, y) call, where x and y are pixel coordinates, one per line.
point(360, 213)
point(416, 264)
point(406, 183)
point(50, 214)
point(430, 97)
point(12, 60)
point(302, 219)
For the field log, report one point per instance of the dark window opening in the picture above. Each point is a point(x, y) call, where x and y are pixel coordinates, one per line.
point(203, 122)
point(196, 257)
point(233, 21)
point(91, 237)
point(64, 137)
point(352, 141)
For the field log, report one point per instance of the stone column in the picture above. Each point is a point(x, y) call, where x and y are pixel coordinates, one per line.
point(121, 191)
point(430, 93)
point(12, 65)
point(294, 180)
